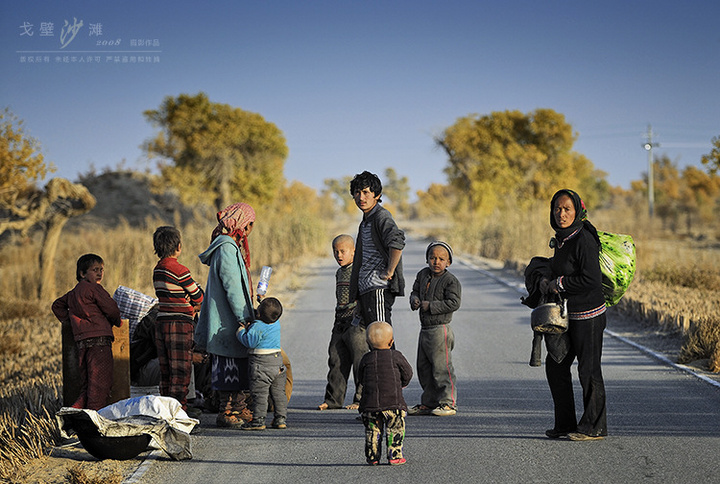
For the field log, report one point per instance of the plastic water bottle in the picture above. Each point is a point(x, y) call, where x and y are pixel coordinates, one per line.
point(264, 280)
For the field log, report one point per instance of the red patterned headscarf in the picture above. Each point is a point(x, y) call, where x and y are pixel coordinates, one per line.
point(232, 221)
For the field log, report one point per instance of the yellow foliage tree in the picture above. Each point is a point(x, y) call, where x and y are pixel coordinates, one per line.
point(712, 159)
point(219, 153)
point(511, 158)
point(24, 206)
point(438, 200)
point(22, 164)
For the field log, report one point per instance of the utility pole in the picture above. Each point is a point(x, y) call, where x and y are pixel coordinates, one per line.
point(648, 145)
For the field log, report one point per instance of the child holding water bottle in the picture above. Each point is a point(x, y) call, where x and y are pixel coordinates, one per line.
point(262, 286)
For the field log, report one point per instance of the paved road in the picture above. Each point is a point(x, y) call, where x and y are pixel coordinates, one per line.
point(664, 425)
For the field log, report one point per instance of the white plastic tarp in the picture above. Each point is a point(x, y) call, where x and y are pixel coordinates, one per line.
point(162, 418)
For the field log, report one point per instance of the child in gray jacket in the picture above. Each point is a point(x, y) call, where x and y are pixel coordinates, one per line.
point(436, 293)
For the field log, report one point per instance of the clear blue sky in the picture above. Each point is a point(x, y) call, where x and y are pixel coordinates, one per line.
point(366, 85)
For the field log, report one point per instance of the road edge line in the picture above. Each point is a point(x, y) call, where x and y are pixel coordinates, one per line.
point(144, 466)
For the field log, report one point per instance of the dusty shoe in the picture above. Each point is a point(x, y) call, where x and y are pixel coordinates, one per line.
point(579, 437)
point(230, 420)
point(419, 410)
point(444, 410)
point(254, 425)
point(556, 434)
point(279, 423)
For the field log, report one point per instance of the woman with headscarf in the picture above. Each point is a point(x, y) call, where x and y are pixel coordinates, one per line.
point(228, 294)
point(576, 277)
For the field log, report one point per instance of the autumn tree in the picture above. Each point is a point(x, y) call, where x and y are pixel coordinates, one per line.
point(699, 192)
point(397, 189)
point(508, 157)
point(438, 200)
point(22, 165)
point(667, 191)
point(24, 206)
point(712, 159)
point(218, 153)
point(338, 189)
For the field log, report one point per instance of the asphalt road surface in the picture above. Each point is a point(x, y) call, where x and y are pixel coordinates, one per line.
point(664, 425)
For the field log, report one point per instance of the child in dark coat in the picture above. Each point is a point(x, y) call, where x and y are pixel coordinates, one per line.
point(383, 372)
point(92, 313)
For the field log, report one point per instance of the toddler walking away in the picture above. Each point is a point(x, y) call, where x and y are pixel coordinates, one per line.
point(383, 372)
point(267, 371)
point(377, 275)
point(92, 313)
point(348, 342)
point(436, 293)
point(179, 298)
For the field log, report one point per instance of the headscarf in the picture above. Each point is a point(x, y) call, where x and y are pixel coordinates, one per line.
point(581, 221)
point(232, 221)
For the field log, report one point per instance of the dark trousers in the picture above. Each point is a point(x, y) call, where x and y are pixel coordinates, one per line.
point(375, 305)
point(96, 376)
point(267, 379)
point(434, 366)
point(586, 338)
point(174, 340)
point(347, 346)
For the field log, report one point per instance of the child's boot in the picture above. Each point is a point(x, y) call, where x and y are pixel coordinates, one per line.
point(226, 416)
point(240, 402)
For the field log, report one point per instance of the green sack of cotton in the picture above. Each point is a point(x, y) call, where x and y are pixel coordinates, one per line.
point(617, 263)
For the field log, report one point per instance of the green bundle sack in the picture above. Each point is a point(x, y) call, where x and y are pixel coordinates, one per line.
point(617, 263)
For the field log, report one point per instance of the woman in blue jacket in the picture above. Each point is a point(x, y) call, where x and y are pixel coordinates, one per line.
point(228, 302)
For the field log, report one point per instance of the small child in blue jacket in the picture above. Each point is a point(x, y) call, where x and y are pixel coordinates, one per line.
point(267, 372)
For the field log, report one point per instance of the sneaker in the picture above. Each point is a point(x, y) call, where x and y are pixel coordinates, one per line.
point(253, 425)
point(397, 462)
point(373, 462)
point(579, 437)
point(279, 423)
point(419, 409)
point(444, 410)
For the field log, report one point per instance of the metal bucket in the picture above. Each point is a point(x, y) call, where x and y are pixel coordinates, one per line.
point(550, 317)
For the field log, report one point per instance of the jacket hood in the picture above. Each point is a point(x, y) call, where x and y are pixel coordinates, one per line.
point(217, 242)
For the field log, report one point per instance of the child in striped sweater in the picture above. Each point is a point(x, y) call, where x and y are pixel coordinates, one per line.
point(179, 299)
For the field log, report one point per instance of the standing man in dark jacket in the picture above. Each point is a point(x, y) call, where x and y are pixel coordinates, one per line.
point(377, 277)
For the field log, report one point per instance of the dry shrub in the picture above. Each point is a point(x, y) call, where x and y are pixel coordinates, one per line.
point(692, 276)
point(505, 235)
point(702, 342)
point(22, 308)
point(86, 473)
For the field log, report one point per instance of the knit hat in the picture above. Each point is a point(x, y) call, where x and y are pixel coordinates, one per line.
point(441, 244)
